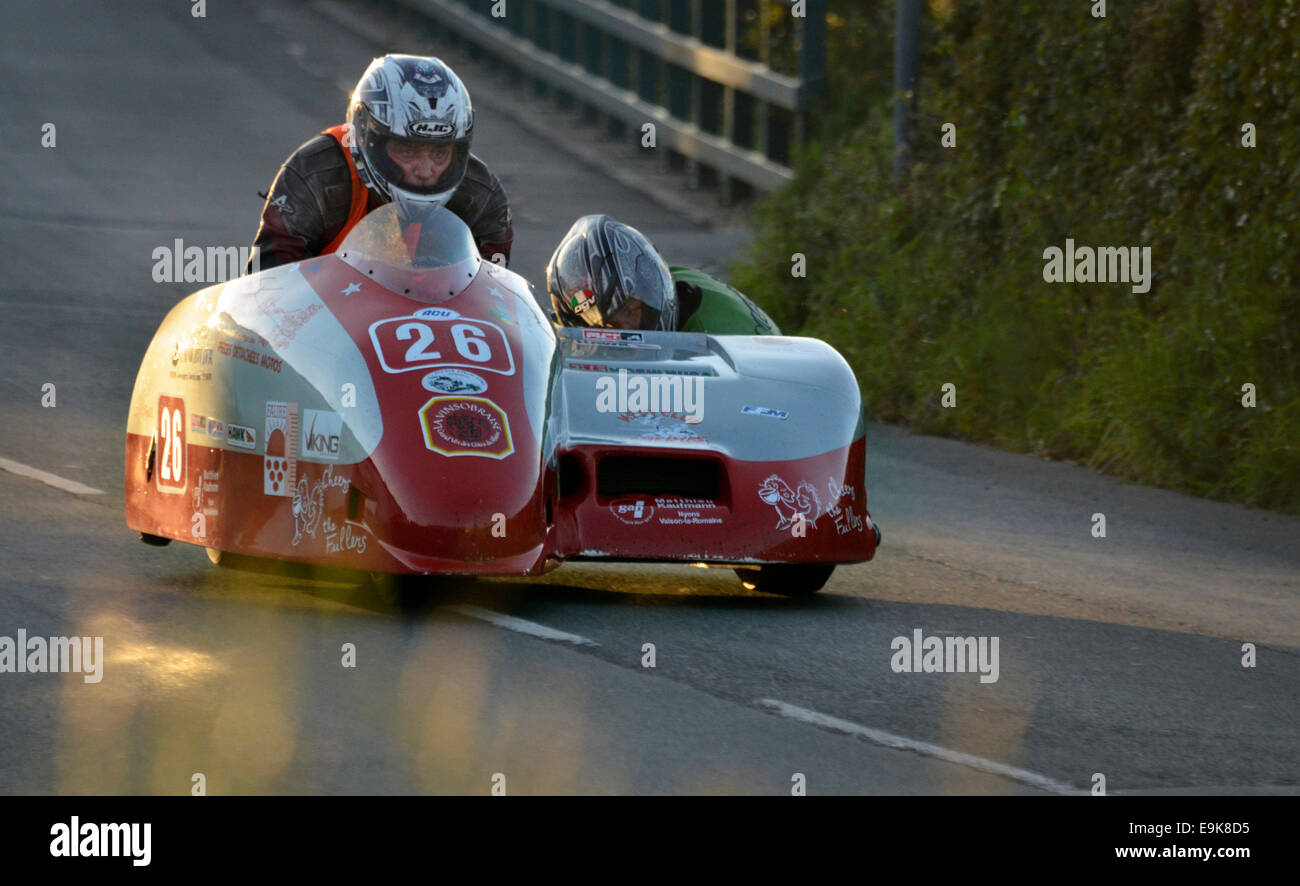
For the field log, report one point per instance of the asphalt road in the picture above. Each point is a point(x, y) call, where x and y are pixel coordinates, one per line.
point(1120, 655)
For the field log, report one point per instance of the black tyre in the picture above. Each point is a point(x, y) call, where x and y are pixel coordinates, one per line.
point(786, 579)
point(156, 541)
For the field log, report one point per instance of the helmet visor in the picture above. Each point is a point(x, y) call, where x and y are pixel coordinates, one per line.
point(634, 314)
point(418, 166)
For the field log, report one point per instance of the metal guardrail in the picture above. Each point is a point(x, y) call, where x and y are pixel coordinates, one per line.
point(679, 64)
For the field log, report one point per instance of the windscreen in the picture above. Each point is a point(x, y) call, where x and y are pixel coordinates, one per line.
point(429, 259)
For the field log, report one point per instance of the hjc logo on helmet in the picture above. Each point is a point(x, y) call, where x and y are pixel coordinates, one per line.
point(431, 130)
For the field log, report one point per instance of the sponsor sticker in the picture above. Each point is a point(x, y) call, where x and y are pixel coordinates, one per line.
point(582, 300)
point(612, 337)
point(633, 511)
point(310, 520)
point(764, 410)
point(322, 433)
point(676, 511)
point(466, 426)
point(206, 489)
point(280, 464)
point(666, 510)
point(707, 372)
point(216, 429)
point(845, 520)
point(454, 381)
point(189, 376)
point(309, 503)
point(241, 436)
point(634, 369)
point(665, 426)
point(643, 346)
point(199, 356)
point(791, 504)
point(252, 355)
point(436, 314)
point(805, 502)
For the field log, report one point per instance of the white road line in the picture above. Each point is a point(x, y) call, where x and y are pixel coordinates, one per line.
point(890, 740)
point(57, 482)
point(510, 623)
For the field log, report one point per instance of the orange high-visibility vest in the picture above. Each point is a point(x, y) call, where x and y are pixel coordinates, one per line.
point(360, 193)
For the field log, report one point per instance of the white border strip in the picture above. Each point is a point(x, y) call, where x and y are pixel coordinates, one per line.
point(510, 623)
point(890, 740)
point(57, 482)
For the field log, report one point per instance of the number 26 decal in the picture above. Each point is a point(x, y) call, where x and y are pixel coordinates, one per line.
point(169, 457)
point(404, 344)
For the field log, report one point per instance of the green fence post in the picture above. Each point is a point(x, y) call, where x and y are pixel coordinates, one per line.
point(726, 183)
point(812, 66)
point(762, 123)
point(906, 64)
point(679, 83)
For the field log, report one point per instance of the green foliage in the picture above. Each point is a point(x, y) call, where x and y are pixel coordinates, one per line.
point(1119, 131)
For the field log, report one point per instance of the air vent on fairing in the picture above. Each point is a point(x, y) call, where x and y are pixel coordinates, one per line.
point(646, 475)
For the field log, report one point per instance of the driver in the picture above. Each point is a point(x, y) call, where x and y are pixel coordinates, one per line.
point(406, 141)
point(606, 274)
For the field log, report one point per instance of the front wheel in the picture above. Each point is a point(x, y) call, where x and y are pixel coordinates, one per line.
point(786, 579)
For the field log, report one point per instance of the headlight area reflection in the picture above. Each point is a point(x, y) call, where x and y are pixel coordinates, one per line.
point(165, 710)
point(243, 679)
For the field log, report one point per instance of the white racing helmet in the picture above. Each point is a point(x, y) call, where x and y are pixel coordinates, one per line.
point(417, 99)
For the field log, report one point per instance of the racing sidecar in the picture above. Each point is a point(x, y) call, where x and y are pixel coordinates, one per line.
point(403, 406)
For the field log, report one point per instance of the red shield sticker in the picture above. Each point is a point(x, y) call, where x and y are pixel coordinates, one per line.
point(466, 426)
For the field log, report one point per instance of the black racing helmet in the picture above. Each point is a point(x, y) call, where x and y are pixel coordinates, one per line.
point(606, 274)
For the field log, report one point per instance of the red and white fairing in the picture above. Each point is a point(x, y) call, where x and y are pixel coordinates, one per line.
point(405, 407)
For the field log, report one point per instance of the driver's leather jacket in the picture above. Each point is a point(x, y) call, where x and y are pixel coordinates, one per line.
point(317, 197)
